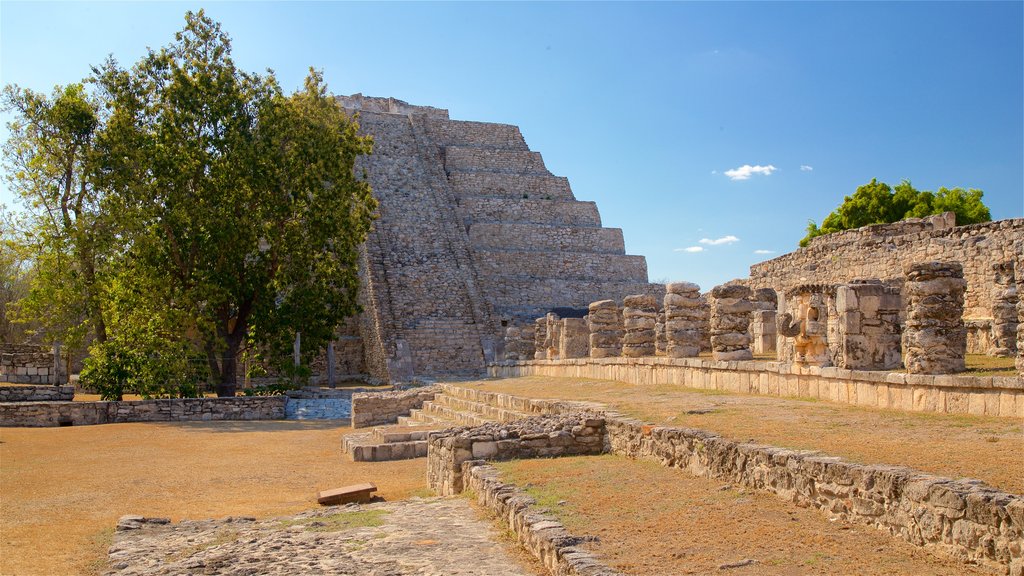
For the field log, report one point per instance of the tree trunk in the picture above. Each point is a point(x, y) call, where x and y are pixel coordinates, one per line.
point(228, 369)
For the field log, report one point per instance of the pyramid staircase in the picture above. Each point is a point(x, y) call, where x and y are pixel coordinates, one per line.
point(454, 406)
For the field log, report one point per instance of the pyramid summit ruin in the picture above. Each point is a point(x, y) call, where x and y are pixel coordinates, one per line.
point(474, 234)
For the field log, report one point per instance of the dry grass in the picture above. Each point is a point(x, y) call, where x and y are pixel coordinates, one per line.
point(987, 448)
point(654, 521)
point(63, 489)
point(982, 365)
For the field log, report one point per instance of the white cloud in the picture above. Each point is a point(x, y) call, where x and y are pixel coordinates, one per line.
point(764, 251)
point(746, 171)
point(690, 249)
point(714, 171)
point(806, 168)
point(719, 241)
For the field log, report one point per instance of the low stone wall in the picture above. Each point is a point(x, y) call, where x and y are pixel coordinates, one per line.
point(377, 408)
point(988, 396)
point(541, 534)
point(965, 518)
point(538, 437)
point(38, 414)
point(37, 393)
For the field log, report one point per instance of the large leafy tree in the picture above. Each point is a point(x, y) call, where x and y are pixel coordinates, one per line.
point(878, 203)
point(50, 163)
point(242, 204)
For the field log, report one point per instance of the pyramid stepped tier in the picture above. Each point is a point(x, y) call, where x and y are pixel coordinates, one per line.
point(473, 231)
point(509, 264)
point(473, 159)
point(546, 238)
point(478, 134)
point(419, 263)
point(511, 186)
point(532, 211)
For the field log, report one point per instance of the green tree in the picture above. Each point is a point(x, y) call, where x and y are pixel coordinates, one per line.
point(50, 163)
point(877, 203)
point(243, 204)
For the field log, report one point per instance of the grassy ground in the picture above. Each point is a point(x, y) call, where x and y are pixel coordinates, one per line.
point(987, 448)
point(981, 365)
point(63, 489)
point(651, 521)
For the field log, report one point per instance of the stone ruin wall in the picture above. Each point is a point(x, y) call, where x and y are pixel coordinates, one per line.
point(882, 251)
point(474, 235)
point(29, 364)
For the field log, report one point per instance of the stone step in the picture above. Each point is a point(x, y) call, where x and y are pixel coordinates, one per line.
point(362, 448)
point(473, 407)
point(386, 434)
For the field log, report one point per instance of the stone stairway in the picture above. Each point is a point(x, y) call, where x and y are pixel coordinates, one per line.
point(454, 407)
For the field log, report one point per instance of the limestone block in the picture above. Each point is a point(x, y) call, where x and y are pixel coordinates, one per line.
point(575, 338)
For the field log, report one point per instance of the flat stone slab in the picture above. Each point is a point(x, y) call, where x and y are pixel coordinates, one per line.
point(346, 494)
point(416, 537)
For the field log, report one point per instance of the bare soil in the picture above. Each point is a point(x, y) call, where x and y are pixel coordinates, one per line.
point(656, 521)
point(63, 489)
point(987, 448)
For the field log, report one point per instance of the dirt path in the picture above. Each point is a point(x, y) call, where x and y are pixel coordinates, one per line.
point(63, 489)
point(656, 521)
point(986, 448)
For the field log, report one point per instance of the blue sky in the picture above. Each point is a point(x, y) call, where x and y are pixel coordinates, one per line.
point(652, 110)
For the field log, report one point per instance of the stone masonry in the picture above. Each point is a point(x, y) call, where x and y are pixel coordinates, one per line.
point(474, 234)
point(605, 329)
point(869, 327)
point(1004, 310)
point(730, 320)
point(540, 336)
point(934, 337)
point(29, 364)
point(685, 314)
point(575, 338)
point(803, 327)
point(639, 315)
point(881, 251)
point(519, 342)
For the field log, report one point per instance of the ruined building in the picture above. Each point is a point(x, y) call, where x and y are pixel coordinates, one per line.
point(474, 234)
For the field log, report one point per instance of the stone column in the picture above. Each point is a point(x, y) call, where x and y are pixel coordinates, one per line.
point(934, 336)
point(554, 336)
point(730, 321)
point(540, 336)
point(640, 314)
point(575, 340)
point(1004, 311)
point(685, 316)
point(1019, 274)
point(762, 321)
point(605, 329)
point(660, 340)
